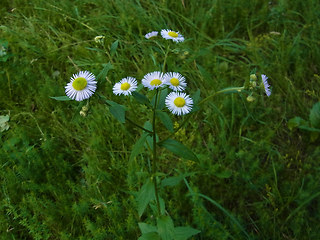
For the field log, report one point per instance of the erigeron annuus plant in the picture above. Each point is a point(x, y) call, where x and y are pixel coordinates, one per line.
point(165, 89)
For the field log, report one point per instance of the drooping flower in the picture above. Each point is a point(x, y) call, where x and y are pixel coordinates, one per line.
point(126, 86)
point(179, 103)
point(153, 80)
point(266, 84)
point(81, 86)
point(151, 34)
point(175, 81)
point(174, 36)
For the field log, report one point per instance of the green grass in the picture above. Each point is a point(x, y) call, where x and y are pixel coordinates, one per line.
point(64, 176)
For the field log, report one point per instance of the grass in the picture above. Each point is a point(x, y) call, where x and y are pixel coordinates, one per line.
point(64, 176)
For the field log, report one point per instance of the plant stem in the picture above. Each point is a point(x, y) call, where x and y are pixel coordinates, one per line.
point(154, 165)
point(239, 89)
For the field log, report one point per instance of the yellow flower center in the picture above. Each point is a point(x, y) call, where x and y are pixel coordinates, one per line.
point(79, 83)
point(179, 102)
point(174, 81)
point(155, 82)
point(125, 86)
point(173, 34)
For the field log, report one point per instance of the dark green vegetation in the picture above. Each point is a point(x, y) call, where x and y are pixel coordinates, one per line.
point(64, 176)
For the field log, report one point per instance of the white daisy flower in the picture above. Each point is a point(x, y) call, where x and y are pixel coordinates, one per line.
point(266, 84)
point(125, 86)
point(151, 34)
point(176, 81)
point(179, 103)
point(81, 86)
point(153, 80)
point(174, 36)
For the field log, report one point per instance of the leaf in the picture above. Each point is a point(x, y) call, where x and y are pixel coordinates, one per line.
point(149, 236)
point(174, 181)
point(61, 98)
point(314, 115)
point(183, 233)
point(141, 98)
point(179, 149)
point(162, 99)
point(101, 77)
point(165, 119)
point(4, 125)
point(138, 146)
point(145, 195)
point(223, 174)
point(117, 110)
point(114, 47)
point(146, 228)
point(296, 122)
point(196, 97)
point(165, 227)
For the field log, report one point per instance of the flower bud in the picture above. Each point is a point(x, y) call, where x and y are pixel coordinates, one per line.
point(250, 98)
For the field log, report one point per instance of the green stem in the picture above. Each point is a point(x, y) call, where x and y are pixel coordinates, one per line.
point(165, 59)
point(154, 167)
point(239, 89)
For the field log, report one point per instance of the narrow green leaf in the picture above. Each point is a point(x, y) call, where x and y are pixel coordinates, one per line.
point(101, 77)
point(141, 98)
point(138, 146)
point(314, 115)
point(230, 90)
point(114, 47)
point(183, 233)
point(179, 149)
point(61, 98)
point(172, 181)
point(146, 228)
point(165, 119)
point(165, 228)
point(149, 236)
point(162, 99)
point(145, 195)
point(196, 96)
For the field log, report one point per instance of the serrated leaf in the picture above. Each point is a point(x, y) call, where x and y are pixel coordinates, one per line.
point(61, 98)
point(314, 115)
point(141, 98)
point(165, 119)
point(165, 227)
point(179, 149)
point(114, 47)
point(146, 228)
point(138, 146)
point(149, 236)
point(183, 233)
point(145, 195)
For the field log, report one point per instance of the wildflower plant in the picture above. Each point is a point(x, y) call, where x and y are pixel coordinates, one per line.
point(164, 94)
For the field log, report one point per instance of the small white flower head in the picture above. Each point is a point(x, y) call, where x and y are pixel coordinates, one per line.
point(81, 86)
point(175, 81)
point(151, 34)
point(174, 36)
point(179, 103)
point(266, 84)
point(153, 80)
point(126, 86)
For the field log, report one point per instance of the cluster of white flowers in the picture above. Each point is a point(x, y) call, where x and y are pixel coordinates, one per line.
point(177, 102)
point(166, 34)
